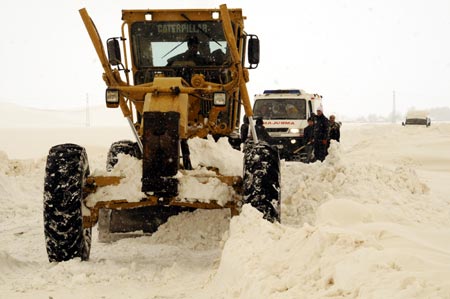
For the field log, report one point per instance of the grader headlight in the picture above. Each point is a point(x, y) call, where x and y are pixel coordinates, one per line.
point(112, 98)
point(220, 99)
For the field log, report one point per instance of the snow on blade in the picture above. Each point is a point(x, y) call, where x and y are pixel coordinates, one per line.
point(220, 154)
point(190, 188)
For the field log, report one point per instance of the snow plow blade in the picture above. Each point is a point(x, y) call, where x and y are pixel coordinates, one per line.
point(120, 216)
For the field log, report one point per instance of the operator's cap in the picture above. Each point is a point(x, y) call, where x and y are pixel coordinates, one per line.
point(320, 108)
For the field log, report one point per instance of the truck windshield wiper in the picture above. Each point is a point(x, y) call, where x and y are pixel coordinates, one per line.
point(173, 49)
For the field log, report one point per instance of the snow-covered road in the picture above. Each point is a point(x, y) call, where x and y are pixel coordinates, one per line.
point(372, 221)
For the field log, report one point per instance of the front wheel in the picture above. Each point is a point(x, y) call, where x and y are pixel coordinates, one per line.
point(65, 173)
point(262, 179)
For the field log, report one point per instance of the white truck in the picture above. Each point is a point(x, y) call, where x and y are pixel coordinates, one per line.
point(285, 114)
point(417, 117)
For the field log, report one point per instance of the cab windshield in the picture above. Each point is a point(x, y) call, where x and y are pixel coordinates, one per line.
point(280, 109)
point(154, 43)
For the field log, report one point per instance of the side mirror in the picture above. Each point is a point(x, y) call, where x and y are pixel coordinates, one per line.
point(253, 51)
point(113, 48)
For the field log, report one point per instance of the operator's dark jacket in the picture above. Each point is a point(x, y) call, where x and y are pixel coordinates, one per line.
point(244, 129)
point(261, 131)
point(321, 126)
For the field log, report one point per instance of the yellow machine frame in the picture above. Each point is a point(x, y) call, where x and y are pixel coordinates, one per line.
point(172, 94)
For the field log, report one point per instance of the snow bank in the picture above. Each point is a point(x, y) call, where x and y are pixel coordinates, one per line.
point(200, 230)
point(18, 188)
point(377, 260)
point(8, 263)
point(391, 192)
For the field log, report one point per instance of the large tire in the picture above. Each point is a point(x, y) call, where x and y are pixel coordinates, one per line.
point(262, 179)
point(126, 147)
point(65, 173)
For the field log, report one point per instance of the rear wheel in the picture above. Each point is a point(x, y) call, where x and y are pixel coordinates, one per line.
point(262, 179)
point(65, 173)
point(126, 147)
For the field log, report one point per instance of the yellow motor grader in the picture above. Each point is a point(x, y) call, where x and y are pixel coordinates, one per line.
point(183, 74)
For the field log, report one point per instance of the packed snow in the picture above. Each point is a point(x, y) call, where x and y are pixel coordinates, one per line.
point(371, 221)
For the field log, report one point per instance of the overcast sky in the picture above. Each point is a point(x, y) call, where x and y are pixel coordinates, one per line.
point(353, 52)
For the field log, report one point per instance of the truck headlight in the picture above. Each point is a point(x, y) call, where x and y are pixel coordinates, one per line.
point(294, 131)
point(112, 97)
point(220, 98)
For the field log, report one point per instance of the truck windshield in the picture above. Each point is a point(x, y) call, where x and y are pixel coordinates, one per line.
point(280, 108)
point(158, 44)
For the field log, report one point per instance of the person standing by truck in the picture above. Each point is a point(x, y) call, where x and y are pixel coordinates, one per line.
point(335, 129)
point(321, 133)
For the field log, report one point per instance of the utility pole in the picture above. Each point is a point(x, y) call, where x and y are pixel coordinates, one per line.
point(393, 107)
point(88, 121)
